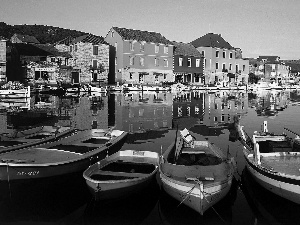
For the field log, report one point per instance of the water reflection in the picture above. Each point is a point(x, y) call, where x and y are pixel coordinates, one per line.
point(152, 119)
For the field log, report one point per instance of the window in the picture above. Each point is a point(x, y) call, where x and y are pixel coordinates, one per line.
point(244, 67)
point(166, 49)
point(165, 76)
point(95, 49)
point(131, 46)
point(71, 48)
point(131, 60)
point(189, 62)
point(130, 75)
point(142, 61)
point(94, 63)
point(75, 48)
point(203, 53)
point(197, 62)
point(142, 46)
point(180, 62)
point(156, 62)
point(217, 65)
point(166, 63)
point(217, 54)
point(224, 55)
point(156, 48)
point(236, 68)
point(112, 34)
point(223, 66)
point(230, 66)
point(116, 46)
point(230, 55)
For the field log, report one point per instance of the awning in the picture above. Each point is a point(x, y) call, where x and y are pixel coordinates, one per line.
point(231, 75)
point(143, 73)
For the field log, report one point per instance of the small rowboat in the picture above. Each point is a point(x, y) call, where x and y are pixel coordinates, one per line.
point(72, 154)
point(121, 174)
point(196, 173)
point(31, 137)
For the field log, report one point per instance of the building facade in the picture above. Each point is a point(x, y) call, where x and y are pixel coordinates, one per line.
point(188, 64)
point(271, 69)
point(2, 60)
point(90, 58)
point(222, 62)
point(141, 57)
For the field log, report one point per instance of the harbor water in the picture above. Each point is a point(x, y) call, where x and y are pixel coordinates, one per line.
point(151, 118)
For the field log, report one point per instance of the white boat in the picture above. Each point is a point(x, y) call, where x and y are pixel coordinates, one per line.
point(196, 173)
point(15, 93)
point(261, 85)
point(121, 174)
point(273, 160)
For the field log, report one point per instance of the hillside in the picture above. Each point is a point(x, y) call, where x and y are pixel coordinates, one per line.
point(45, 34)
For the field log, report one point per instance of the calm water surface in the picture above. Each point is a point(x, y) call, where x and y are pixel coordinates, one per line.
point(152, 119)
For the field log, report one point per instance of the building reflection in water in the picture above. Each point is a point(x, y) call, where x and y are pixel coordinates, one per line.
point(144, 111)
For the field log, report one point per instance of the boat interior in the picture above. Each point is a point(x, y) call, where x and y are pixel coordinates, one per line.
point(120, 170)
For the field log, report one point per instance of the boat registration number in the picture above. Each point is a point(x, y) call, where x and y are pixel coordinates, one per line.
point(138, 153)
point(30, 173)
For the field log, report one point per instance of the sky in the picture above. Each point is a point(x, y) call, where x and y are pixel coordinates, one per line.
point(258, 27)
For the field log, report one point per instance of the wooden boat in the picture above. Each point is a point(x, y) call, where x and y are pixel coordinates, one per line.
point(72, 154)
point(273, 160)
point(32, 136)
point(196, 173)
point(121, 174)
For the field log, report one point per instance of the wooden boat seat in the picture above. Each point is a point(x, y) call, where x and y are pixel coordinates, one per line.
point(118, 175)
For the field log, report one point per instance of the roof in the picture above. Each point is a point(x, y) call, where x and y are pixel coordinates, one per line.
point(30, 50)
point(90, 38)
point(270, 59)
point(67, 41)
point(26, 38)
point(185, 49)
point(139, 35)
point(52, 50)
point(211, 40)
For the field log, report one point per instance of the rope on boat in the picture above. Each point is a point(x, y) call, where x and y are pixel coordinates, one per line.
point(190, 191)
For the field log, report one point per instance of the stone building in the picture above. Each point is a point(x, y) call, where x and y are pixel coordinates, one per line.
point(90, 58)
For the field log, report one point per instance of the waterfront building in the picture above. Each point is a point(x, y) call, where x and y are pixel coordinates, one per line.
point(222, 62)
point(140, 57)
point(2, 60)
point(273, 70)
point(188, 64)
point(90, 58)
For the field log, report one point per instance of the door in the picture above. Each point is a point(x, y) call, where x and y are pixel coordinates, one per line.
point(75, 77)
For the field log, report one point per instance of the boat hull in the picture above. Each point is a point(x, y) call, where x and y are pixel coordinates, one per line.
point(117, 190)
point(198, 200)
point(122, 174)
point(287, 188)
point(28, 169)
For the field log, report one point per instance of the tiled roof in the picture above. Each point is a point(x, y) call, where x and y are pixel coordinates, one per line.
point(66, 40)
point(185, 49)
point(90, 38)
point(139, 35)
point(211, 40)
point(52, 50)
point(27, 38)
